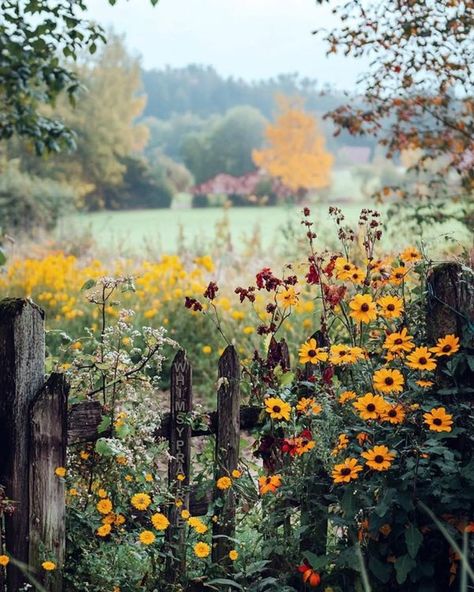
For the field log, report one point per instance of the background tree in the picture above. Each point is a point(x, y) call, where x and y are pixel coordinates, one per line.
point(418, 93)
point(227, 146)
point(36, 39)
point(104, 123)
point(296, 149)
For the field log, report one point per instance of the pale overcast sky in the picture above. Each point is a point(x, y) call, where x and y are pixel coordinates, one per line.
point(243, 38)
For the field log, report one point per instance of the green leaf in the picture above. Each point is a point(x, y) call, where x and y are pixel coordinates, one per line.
point(286, 378)
point(348, 502)
point(3, 257)
point(224, 582)
point(88, 285)
point(103, 448)
point(380, 570)
point(403, 566)
point(104, 425)
point(413, 539)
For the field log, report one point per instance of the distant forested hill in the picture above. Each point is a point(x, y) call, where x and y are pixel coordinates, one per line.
point(201, 90)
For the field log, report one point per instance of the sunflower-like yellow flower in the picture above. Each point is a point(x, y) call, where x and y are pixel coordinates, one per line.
point(388, 380)
point(146, 537)
point(104, 506)
point(104, 530)
point(421, 359)
point(370, 406)
point(379, 458)
point(438, 420)
point(160, 521)
point(399, 342)
point(363, 308)
point(342, 443)
point(391, 307)
point(60, 472)
point(310, 353)
point(4, 560)
point(202, 550)
point(343, 268)
point(269, 484)
point(48, 565)
point(233, 555)
point(356, 276)
point(303, 445)
point(446, 346)
point(394, 414)
point(224, 483)
point(398, 275)
point(140, 501)
point(344, 354)
point(424, 383)
point(198, 525)
point(346, 471)
point(410, 255)
point(288, 297)
point(277, 408)
point(346, 396)
point(308, 405)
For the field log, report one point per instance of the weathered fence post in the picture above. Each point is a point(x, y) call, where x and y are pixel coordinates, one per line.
point(450, 299)
point(227, 450)
point(21, 377)
point(48, 441)
point(180, 463)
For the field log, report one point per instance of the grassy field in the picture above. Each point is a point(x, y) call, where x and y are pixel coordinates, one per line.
point(130, 232)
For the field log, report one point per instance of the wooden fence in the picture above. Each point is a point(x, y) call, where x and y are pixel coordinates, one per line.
point(36, 427)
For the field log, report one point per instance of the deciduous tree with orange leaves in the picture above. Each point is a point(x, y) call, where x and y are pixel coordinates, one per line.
point(295, 151)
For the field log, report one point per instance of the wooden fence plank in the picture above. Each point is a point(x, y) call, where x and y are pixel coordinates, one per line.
point(180, 464)
point(227, 450)
point(47, 496)
point(21, 377)
point(83, 420)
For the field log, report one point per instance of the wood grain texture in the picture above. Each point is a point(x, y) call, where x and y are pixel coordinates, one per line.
point(227, 451)
point(83, 420)
point(48, 417)
point(179, 436)
point(450, 299)
point(21, 377)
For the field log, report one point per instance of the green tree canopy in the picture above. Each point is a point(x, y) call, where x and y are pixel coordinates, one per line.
point(38, 41)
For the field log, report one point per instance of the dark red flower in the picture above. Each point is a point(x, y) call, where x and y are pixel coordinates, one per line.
point(328, 270)
point(192, 304)
point(334, 294)
point(312, 277)
point(211, 291)
point(246, 293)
point(266, 279)
point(328, 374)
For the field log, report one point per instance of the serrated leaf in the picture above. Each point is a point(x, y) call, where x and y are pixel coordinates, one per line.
point(413, 540)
